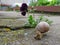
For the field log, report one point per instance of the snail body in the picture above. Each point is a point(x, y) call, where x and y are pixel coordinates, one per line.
point(41, 28)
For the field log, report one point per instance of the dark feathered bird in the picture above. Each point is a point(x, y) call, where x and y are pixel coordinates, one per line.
point(23, 13)
point(24, 9)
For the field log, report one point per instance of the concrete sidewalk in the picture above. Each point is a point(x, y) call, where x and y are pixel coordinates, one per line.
point(10, 14)
point(52, 37)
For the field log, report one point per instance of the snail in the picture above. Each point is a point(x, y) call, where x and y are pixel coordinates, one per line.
point(40, 29)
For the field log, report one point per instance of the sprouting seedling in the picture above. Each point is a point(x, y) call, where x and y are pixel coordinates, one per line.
point(49, 22)
point(24, 9)
point(41, 17)
point(46, 20)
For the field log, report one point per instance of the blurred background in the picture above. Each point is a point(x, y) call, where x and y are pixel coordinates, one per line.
point(14, 5)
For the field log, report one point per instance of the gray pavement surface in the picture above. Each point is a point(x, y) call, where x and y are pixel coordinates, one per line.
point(51, 38)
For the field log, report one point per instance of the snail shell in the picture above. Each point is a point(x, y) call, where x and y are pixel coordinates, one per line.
point(42, 27)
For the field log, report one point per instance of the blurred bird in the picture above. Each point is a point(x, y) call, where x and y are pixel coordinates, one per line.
point(24, 9)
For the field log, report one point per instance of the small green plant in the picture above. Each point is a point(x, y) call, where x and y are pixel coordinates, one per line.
point(42, 18)
point(49, 22)
point(31, 23)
